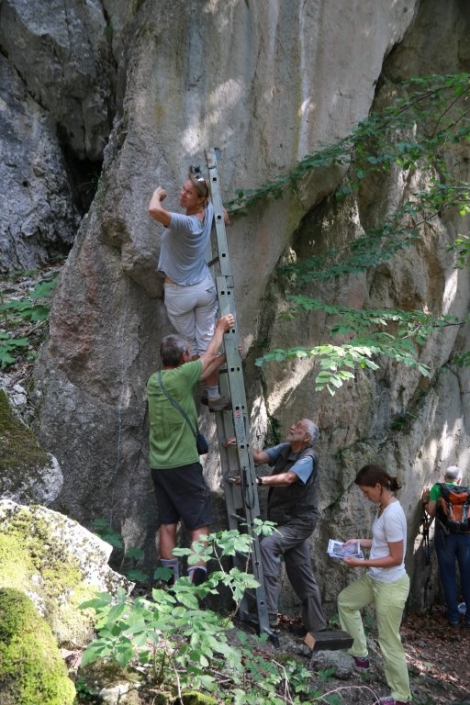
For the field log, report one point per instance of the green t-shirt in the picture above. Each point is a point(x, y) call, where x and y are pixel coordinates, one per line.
point(435, 491)
point(172, 442)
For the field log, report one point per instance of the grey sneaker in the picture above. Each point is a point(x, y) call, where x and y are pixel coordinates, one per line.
point(218, 403)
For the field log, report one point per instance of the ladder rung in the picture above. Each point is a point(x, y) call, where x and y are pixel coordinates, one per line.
point(238, 517)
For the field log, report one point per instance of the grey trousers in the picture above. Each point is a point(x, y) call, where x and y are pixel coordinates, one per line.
point(291, 542)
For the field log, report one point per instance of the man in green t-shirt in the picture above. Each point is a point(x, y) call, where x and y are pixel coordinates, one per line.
point(180, 488)
point(451, 548)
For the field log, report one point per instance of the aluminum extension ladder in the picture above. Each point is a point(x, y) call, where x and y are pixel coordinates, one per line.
point(241, 500)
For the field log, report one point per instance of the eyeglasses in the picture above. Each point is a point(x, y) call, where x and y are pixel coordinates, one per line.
point(299, 425)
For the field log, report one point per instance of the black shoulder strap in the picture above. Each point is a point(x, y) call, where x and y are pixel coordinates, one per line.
point(176, 405)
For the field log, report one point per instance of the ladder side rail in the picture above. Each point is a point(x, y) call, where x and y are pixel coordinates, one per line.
point(222, 244)
point(246, 468)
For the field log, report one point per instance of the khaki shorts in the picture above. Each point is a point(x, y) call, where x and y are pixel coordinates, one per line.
point(192, 311)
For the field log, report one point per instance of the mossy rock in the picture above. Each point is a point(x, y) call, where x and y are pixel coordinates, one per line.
point(31, 668)
point(59, 564)
point(19, 447)
point(36, 562)
point(27, 472)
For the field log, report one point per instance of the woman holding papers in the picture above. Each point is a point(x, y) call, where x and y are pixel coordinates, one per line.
point(385, 584)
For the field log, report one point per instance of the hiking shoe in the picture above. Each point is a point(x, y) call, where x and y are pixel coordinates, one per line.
point(218, 403)
point(389, 701)
point(273, 621)
point(198, 576)
point(361, 663)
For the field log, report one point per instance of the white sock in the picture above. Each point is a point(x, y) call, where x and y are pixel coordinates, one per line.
point(213, 392)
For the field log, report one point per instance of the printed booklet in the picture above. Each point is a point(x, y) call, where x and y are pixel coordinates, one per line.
point(337, 549)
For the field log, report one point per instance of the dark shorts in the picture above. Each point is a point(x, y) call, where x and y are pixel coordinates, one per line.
point(182, 494)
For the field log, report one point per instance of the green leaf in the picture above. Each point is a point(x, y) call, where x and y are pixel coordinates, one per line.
point(137, 575)
point(134, 553)
point(124, 653)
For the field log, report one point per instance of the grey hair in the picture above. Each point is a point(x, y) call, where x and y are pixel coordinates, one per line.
point(312, 430)
point(171, 349)
point(453, 473)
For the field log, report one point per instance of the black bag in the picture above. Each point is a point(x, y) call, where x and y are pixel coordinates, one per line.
point(201, 444)
point(453, 508)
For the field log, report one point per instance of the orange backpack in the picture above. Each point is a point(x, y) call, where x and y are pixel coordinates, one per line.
point(453, 508)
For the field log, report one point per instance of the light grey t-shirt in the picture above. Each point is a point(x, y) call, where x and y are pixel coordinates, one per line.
point(389, 527)
point(184, 247)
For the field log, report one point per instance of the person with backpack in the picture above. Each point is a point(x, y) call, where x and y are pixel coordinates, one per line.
point(450, 504)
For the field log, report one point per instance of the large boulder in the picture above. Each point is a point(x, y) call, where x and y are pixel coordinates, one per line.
point(265, 107)
point(58, 564)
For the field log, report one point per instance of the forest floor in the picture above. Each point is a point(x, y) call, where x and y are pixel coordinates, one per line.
point(438, 655)
point(438, 659)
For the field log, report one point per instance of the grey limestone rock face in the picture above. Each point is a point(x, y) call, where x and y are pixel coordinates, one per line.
point(57, 90)
point(267, 83)
point(37, 213)
point(62, 52)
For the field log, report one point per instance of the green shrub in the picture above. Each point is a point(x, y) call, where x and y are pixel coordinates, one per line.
point(182, 647)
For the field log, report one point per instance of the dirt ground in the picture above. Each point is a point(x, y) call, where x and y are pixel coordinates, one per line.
point(438, 658)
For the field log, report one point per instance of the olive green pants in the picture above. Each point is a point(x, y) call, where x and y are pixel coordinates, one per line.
point(389, 600)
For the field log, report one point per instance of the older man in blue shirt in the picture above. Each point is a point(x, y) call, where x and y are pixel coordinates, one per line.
point(293, 505)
